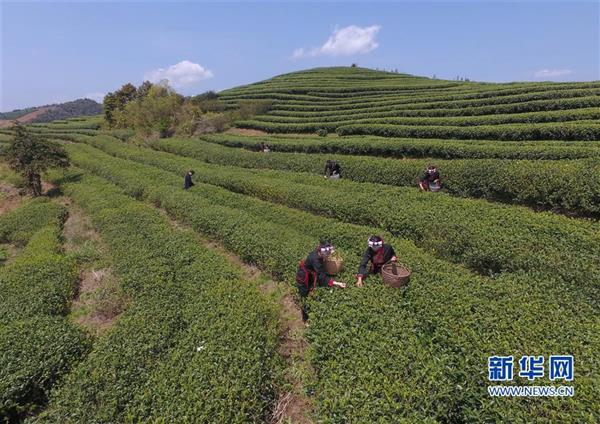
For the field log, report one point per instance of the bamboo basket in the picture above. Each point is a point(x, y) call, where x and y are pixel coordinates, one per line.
point(333, 265)
point(395, 275)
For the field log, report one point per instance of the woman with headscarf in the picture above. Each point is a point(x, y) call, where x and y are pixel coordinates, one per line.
point(378, 253)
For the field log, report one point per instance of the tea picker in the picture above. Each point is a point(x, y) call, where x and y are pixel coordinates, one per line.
point(430, 179)
point(187, 181)
point(333, 170)
point(264, 147)
point(311, 273)
point(378, 253)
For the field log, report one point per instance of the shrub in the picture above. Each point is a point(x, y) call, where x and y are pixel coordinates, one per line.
point(448, 319)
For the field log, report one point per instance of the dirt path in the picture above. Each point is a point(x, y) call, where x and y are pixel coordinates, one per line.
point(10, 197)
point(292, 405)
point(99, 300)
point(245, 131)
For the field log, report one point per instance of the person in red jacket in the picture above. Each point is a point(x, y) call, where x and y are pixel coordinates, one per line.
point(430, 179)
point(311, 274)
point(378, 253)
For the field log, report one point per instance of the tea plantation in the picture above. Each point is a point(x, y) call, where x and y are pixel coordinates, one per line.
point(505, 259)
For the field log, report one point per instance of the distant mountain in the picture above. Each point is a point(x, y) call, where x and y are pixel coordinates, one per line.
point(79, 107)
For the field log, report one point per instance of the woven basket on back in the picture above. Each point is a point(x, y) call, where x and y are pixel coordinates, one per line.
point(395, 274)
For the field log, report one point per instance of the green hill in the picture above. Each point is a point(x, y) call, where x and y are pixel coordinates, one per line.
point(504, 259)
point(363, 101)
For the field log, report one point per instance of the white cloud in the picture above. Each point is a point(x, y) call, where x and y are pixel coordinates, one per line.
point(99, 97)
point(179, 75)
point(343, 42)
point(298, 53)
point(549, 73)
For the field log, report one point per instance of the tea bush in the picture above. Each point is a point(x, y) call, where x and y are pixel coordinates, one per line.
point(194, 338)
point(384, 354)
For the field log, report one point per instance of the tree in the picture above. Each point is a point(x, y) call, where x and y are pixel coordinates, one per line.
point(110, 106)
point(125, 94)
point(154, 113)
point(31, 155)
point(116, 101)
point(144, 89)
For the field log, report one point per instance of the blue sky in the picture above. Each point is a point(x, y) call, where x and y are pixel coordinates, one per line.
point(54, 52)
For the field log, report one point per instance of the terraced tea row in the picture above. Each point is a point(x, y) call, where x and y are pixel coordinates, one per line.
point(161, 361)
point(332, 122)
point(478, 234)
point(308, 102)
point(419, 148)
point(550, 184)
point(37, 344)
point(359, 100)
point(575, 130)
point(544, 101)
point(450, 319)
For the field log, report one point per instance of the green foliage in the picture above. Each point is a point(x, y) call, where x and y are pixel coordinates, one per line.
point(154, 113)
point(322, 132)
point(359, 101)
point(31, 155)
point(576, 130)
point(37, 344)
point(420, 148)
point(207, 102)
point(19, 225)
point(461, 230)
point(35, 354)
point(157, 111)
point(380, 354)
point(571, 186)
point(514, 132)
point(40, 281)
point(196, 341)
point(115, 102)
point(487, 278)
point(144, 89)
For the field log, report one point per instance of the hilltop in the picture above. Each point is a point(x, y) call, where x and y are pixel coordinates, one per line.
point(48, 113)
point(351, 100)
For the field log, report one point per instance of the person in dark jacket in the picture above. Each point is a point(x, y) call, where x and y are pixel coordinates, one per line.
point(430, 179)
point(264, 147)
point(187, 181)
point(332, 169)
point(378, 253)
point(311, 274)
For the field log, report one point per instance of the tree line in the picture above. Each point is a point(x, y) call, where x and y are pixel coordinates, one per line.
point(158, 111)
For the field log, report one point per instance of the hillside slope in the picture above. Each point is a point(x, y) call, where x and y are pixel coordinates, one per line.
point(48, 113)
point(364, 101)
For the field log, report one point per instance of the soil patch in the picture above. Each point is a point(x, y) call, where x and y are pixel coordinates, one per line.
point(99, 300)
point(245, 131)
point(10, 197)
point(25, 118)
